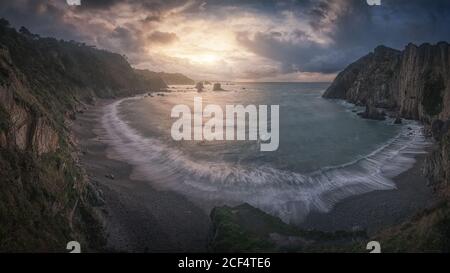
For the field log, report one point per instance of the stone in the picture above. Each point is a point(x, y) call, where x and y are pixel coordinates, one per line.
point(217, 87)
point(110, 176)
point(373, 113)
point(398, 120)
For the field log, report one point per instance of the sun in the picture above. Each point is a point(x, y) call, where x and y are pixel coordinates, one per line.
point(199, 58)
point(204, 58)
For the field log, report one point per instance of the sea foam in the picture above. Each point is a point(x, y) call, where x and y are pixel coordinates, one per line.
point(286, 194)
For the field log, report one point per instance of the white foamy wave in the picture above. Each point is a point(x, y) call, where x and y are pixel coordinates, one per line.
point(288, 195)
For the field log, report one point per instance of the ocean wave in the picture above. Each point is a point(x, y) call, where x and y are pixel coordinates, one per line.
point(286, 194)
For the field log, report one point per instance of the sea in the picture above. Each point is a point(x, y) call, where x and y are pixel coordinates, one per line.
point(326, 151)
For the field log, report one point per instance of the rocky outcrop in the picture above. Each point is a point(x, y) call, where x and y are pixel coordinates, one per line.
point(414, 82)
point(217, 87)
point(199, 86)
point(372, 112)
point(245, 228)
point(26, 130)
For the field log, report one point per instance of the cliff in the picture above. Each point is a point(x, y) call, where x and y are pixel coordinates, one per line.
point(414, 84)
point(168, 78)
point(45, 198)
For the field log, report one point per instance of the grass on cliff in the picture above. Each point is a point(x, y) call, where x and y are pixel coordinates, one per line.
point(37, 197)
point(248, 229)
point(428, 231)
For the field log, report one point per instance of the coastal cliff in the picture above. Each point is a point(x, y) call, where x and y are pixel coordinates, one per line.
point(412, 84)
point(168, 78)
point(46, 199)
point(415, 82)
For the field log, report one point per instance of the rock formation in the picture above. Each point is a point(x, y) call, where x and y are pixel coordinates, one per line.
point(414, 82)
point(199, 86)
point(217, 87)
point(372, 112)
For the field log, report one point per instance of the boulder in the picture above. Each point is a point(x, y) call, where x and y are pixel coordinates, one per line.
point(373, 113)
point(398, 120)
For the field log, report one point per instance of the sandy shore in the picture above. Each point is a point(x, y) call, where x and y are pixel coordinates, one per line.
point(137, 217)
point(378, 209)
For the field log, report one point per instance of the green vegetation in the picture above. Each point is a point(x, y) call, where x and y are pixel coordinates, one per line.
point(231, 237)
point(428, 231)
point(248, 229)
point(62, 74)
point(168, 78)
point(31, 192)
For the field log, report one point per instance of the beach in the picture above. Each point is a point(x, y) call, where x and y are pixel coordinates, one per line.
point(376, 210)
point(140, 218)
point(137, 217)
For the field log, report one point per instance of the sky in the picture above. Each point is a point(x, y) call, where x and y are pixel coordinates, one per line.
point(255, 40)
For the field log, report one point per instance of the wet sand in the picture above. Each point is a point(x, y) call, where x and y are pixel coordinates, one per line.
point(378, 209)
point(137, 217)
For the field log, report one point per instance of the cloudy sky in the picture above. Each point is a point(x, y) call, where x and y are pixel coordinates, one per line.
point(257, 40)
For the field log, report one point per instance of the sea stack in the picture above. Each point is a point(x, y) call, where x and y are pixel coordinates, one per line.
point(199, 86)
point(217, 87)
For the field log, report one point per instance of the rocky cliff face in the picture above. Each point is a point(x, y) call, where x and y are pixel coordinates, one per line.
point(26, 129)
point(414, 82)
point(44, 195)
point(370, 80)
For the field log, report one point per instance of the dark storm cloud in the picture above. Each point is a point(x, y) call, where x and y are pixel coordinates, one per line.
point(152, 5)
point(329, 35)
point(356, 29)
point(42, 17)
point(100, 4)
point(162, 37)
point(307, 56)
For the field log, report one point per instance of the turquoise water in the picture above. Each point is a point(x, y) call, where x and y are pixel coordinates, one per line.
point(326, 152)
